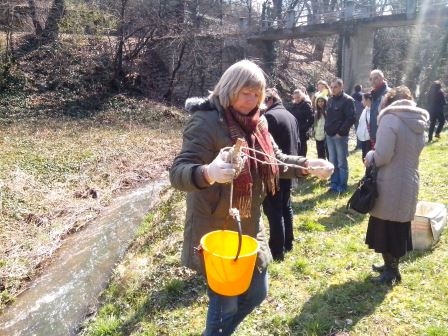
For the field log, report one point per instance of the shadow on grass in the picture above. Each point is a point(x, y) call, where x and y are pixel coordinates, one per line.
point(339, 216)
point(338, 308)
point(175, 294)
point(411, 256)
point(86, 106)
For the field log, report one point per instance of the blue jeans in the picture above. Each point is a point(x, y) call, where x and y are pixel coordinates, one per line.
point(337, 155)
point(225, 313)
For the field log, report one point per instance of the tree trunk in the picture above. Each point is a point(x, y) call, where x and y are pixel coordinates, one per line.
point(51, 31)
point(37, 26)
point(168, 95)
point(319, 48)
point(118, 61)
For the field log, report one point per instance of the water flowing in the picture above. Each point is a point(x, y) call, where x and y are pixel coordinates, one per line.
point(58, 301)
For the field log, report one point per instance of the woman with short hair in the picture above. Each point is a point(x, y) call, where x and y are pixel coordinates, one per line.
point(202, 169)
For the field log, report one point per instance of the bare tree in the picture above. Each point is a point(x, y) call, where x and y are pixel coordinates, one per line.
point(35, 18)
point(51, 31)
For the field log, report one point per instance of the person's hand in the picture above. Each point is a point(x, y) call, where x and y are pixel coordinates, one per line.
point(219, 170)
point(368, 160)
point(320, 168)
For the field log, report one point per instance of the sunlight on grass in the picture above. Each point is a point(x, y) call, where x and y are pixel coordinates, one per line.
point(107, 325)
point(300, 265)
point(436, 331)
point(311, 225)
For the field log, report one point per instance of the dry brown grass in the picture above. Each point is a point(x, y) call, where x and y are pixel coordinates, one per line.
point(56, 175)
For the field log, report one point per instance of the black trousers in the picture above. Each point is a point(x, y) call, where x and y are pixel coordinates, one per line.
point(303, 149)
point(440, 117)
point(278, 210)
point(366, 146)
point(322, 151)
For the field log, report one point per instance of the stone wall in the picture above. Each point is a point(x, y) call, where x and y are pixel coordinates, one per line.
point(198, 64)
point(203, 62)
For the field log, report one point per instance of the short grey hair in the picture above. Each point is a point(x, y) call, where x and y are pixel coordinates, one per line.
point(377, 73)
point(242, 74)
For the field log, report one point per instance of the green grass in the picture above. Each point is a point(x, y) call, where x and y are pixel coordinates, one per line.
point(323, 287)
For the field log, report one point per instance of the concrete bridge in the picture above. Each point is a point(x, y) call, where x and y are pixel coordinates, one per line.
point(354, 23)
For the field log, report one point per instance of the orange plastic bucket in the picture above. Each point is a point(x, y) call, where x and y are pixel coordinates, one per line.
point(225, 275)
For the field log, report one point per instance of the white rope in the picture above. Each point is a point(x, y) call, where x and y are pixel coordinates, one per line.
point(277, 161)
point(235, 212)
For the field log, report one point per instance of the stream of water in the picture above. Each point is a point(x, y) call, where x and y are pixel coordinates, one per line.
point(59, 300)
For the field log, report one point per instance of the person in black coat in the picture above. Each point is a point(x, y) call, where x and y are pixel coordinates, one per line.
point(359, 107)
point(303, 111)
point(284, 129)
point(436, 102)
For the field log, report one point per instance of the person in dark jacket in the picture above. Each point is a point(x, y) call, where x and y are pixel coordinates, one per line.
point(202, 169)
point(303, 111)
point(379, 89)
point(284, 128)
point(340, 118)
point(436, 102)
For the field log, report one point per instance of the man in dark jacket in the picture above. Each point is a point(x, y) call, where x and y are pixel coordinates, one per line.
point(284, 129)
point(340, 118)
point(303, 111)
point(379, 90)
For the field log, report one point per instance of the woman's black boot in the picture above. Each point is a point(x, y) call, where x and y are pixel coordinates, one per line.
point(391, 274)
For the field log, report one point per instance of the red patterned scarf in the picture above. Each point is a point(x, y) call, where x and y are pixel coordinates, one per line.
point(254, 130)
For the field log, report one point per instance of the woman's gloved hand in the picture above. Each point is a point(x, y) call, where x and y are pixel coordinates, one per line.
point(219, 170)
point(320, 168)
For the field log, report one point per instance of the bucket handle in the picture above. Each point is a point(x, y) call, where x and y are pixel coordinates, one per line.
point(236, 215)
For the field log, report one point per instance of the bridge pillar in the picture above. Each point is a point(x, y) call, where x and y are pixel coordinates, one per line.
point(349, 7)
point(290, 18)
point(357, 55)
point(411, 8)
point(244, 24)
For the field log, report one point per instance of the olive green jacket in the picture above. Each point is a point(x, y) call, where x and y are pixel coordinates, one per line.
point(208, 205)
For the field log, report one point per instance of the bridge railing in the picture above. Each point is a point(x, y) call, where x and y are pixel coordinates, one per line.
point(351, 11)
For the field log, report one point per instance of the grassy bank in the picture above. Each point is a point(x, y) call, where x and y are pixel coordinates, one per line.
point(59, 172)
point(323, 287)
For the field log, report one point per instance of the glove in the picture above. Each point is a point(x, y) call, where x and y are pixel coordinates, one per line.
point(320, 168)
point(219, 170)
point(368, 160)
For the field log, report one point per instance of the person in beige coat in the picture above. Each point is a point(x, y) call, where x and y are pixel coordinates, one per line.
point(399, 142)
point(231, 113)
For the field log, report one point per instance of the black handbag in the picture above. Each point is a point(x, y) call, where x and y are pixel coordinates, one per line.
point(363, 199)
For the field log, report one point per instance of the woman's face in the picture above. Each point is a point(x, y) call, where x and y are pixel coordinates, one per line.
point(321, 103)
point(246, 100)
